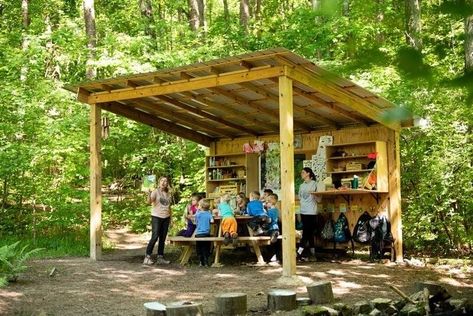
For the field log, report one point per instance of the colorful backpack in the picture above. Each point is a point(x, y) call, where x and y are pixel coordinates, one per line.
point(327, 231)
point(362, 231)
point(341, 230)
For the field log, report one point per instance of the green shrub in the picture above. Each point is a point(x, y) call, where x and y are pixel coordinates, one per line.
point(12, 261)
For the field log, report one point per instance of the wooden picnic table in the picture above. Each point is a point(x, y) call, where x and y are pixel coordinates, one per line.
point(187, 243)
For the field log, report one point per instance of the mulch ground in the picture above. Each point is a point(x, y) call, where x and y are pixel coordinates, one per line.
point(120, 284)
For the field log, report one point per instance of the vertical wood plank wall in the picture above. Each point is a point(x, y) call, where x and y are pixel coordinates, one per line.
point(390, 203)
point(95, 183)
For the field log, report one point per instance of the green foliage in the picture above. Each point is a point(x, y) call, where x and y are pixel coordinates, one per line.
point(13, 261)
point(44, 133)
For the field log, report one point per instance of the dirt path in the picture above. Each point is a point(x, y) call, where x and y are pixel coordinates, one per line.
point(119, 285)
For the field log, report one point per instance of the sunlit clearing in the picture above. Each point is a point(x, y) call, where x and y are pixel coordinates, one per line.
point(321, 275)
point(454, 282)
point(225, 276)
point(336, 272)
point(271, 271)
point(344, 287)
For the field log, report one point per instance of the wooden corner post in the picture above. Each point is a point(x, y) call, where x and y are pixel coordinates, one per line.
point(395, 200)
point(95, 183)
point(286, 140)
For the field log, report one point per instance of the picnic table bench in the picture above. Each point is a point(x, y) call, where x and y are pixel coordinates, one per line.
point(255, 242)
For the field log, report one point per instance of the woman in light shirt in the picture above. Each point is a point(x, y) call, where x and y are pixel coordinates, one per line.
point(160, 199)
point(308, 211)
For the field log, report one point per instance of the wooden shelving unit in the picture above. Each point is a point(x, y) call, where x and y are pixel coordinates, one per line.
point(341, 155)
point(238, 170)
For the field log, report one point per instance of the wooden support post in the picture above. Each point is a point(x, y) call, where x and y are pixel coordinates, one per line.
point(395, 200)
point(282, 300)
point(230, 304)
point(286, 139)
point(95, 183)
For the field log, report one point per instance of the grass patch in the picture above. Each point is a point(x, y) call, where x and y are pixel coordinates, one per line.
point(68, 244)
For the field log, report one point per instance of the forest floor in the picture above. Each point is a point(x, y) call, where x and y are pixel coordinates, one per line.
point(120, 284)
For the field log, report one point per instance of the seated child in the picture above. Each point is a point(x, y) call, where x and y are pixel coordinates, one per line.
point(272, 227)
point(229, 223)
point(266, 193)
point(203, 218)
point(255, 208)
point(191, 209)
point(241, 202)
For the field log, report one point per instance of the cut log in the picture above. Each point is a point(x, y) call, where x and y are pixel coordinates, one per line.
point(282, 300)
point(434, 288)
point(231, 304)
point(320, 292)
point(184, 308)
point(303, 301)
point(155, 309)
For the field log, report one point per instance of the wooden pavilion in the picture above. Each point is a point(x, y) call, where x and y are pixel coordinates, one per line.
point(272, 94)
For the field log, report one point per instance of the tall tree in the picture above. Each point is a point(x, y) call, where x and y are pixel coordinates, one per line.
point(146, 9)
point(244, 14)
point(25, 43)
point(413, 24)
point(89, 16)
point(226, 11)
point(193, 15)
point(469, 41)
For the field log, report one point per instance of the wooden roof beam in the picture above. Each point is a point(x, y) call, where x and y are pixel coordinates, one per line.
point(211, 117)
point(330, 105)
point(83, 95)
point(339, 95)
point(158, 123)
point(187, 85)
point(297, 108)
point(231, 111)
point(186, 119)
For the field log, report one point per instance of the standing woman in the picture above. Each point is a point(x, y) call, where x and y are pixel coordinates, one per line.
point(160, 199)
point(308, 211)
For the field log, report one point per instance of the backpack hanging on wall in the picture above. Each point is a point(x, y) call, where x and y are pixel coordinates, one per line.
point(327, 231)
point(341, 229)
point(380, 235)
point(362, 231)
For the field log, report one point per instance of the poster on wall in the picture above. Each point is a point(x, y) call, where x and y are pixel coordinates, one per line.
point(271, 168)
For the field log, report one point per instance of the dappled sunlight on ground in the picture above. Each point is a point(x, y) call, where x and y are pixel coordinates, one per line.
point(121, 284)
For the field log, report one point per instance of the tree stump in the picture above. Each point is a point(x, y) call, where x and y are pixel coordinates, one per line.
point(231, 304)
point(282, 300)
point(434, 288)
point(184, 308)
point(320, 292)
point(155, 309)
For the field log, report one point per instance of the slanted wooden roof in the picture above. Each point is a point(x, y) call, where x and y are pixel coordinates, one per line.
point(236, 96)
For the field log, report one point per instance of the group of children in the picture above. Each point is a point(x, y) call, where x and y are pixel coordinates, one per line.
point(262, 209)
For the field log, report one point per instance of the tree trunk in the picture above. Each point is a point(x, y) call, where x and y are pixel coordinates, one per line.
point(244, 14)
point(89, 17)
point(413, 24)
point(4, 193)
point(316, 4)
point(258, 10)
point(25, 44)
point(201, 10)
point(193, 15)
point(469, 41)
point(146, 9)
point(226, 11)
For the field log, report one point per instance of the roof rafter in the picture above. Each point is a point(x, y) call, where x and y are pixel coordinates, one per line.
point(161, 124)
point(212, 117)
point(186, 119)
point(185, 85)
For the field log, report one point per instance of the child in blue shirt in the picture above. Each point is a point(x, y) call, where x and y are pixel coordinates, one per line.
point(255, 208)
point(272, 226)
point(203, 219)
